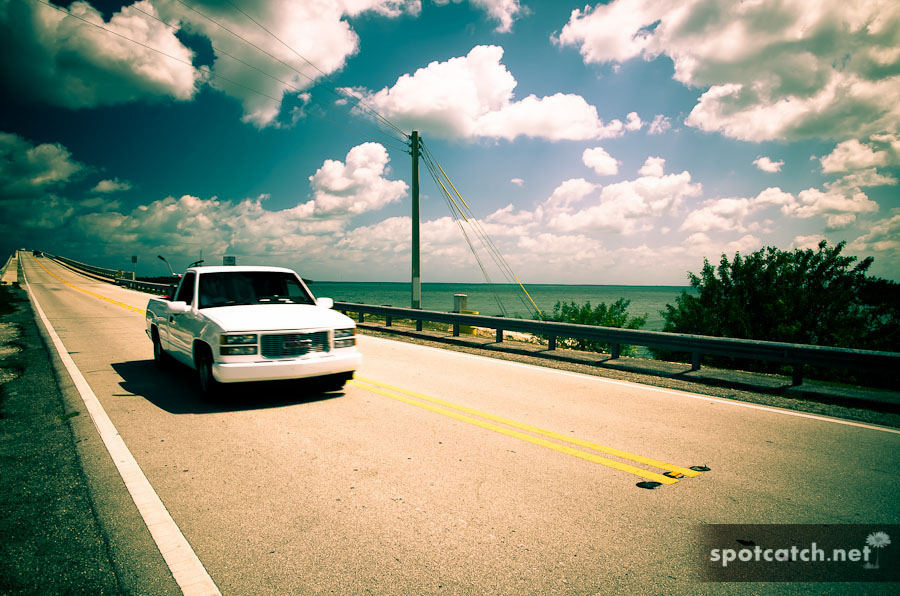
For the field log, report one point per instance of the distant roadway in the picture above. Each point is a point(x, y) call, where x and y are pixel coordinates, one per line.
point(437, 472)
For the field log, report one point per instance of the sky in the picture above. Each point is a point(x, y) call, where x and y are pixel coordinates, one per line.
point(602, 143)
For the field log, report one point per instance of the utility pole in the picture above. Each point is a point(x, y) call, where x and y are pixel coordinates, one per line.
point(416, 274)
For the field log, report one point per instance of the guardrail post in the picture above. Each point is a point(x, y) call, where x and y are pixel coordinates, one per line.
point(418, 324)
point(499, 336)
point(455, 329)
point(615, 352)
point(551, 344)
point(696, 360)
point(362, 317)
point(388, 320)
point(797, 377)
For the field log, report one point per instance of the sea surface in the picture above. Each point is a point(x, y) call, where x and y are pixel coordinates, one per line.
point(487, 299)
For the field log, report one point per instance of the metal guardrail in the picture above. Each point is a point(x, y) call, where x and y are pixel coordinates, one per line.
point(147, 286)
point(112, 274)
point(116, 276)
point(6, 266)
point(698, 346)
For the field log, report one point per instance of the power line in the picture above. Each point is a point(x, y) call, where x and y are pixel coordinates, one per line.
point(158, 51)
point(215, 75)
point(455, 214)
point(462, 209)
point(335, 89)
point(283, 82)
point(331, 88)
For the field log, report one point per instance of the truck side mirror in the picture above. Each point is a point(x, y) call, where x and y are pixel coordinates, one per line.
point(325, 302)
point(178, 308)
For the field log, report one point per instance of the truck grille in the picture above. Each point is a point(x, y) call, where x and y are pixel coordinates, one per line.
point(289, 345)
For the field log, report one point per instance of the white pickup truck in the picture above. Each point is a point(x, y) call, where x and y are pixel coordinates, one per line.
point(241, 324)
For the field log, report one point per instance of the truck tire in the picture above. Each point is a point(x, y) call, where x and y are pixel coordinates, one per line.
point(209, 386)
point(160, 357)
point(334, 382)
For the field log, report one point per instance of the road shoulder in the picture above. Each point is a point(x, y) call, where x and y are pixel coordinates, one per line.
point(68, 523)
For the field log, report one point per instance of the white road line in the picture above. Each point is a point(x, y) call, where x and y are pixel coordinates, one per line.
point(183, 563)
point(663, 390)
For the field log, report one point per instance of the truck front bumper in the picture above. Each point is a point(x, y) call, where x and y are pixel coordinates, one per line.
point(279, 370)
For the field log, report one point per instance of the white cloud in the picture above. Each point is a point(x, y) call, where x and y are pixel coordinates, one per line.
point(883, 236)
point(772, 69)
point(841, 201)
point(110, 186)
point(729, 214)
point(388, 238)
point(633, 122)
point(504, 12)
point(861, 179)
point(556, 117)
point(314, 30)
point(767, 165)
point(29, 171)
point(340, 191)
point(718, 214)
point(600, 161)
point(853, 155)
point(701, 244)
point(569, 192)
point(508, 217)
point(517, 181)
point(65, 61)
point(626, 207)
point(357, 186)
point(387, 8)
point(471, 97)
point(653, 166)
point(246, 227)
point(772, 196)
point(839, 207)
point(807, 242)
point(659, 125)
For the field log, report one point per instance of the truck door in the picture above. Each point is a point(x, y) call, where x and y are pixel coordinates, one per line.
point(180, 338)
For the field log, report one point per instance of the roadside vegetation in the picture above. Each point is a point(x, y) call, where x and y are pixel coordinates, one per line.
point(817, 297)
point(614, 315)
point(8, 300)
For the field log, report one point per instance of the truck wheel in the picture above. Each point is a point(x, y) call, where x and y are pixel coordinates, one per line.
point(335, 382)
point(209, 386)
point(159, 356)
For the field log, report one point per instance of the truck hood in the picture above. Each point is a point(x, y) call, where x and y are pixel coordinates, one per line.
point(275, 317)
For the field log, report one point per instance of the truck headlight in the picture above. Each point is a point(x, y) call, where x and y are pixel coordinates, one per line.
point(238, 345)
point(247, 338)
point(344, 338)
point(238, 350)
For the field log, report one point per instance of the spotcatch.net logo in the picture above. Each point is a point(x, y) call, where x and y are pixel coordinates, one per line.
point(801, 553)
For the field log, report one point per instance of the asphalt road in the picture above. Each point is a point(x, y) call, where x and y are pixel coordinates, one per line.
point(431, 473)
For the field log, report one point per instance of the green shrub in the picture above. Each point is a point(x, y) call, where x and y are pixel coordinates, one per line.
point(614, 315)
point(817, 297)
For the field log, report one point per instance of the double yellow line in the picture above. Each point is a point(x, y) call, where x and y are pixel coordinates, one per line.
point(533, 434)
point(89, 293)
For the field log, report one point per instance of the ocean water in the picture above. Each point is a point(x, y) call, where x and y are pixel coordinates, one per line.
point(486, 299)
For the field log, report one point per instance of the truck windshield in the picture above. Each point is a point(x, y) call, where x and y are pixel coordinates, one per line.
point(251, 287)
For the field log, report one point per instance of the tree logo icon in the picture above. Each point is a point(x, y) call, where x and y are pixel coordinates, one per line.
point(877, 540)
